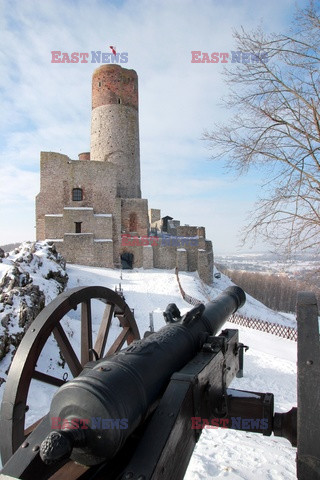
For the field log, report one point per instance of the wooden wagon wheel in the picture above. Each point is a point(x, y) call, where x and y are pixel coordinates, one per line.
point(23, 368)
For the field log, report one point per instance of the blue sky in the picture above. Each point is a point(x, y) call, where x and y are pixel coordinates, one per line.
point(47, 107)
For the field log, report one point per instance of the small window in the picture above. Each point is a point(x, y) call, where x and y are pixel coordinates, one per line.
point(78, 227)
point(119, 100)
point(99, 84)
point(77, 195)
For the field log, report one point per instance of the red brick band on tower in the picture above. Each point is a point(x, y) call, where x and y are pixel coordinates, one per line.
point(111, 83)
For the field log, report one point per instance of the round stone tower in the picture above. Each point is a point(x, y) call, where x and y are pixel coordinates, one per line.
point(115, 125)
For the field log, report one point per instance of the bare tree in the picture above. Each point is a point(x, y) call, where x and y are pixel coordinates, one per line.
point(276, 124)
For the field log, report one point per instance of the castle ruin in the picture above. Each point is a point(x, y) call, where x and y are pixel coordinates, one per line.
point(92, 207)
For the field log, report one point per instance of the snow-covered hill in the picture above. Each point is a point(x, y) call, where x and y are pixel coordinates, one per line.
point(270, 366)
point(31, 276)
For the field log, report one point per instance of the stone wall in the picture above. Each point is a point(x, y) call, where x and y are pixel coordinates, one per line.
point(84, 249)
point(147, 254)
point(99, 224)
point(154, 215)
point(115, 138)
point(190, 231)
point(99, 210)
point(205, 267)
point(96, 179)
point(134, 216)
point(164, 257)
point(182, 259)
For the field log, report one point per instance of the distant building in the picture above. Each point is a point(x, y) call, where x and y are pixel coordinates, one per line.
point(92, 207)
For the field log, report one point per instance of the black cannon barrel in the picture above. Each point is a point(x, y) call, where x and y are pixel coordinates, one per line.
point(113, 396)
point(217, 311)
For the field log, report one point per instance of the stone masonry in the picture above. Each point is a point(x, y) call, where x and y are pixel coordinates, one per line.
point(92, 207)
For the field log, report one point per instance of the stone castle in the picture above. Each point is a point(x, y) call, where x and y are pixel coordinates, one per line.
point(92, 207)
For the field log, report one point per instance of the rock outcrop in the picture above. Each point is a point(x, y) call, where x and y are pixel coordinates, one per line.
point(35, 275)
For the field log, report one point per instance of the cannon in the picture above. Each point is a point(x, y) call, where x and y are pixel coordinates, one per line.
point(136, 412)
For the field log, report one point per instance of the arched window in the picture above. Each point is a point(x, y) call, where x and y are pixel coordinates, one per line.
point(133, 222)
point(77, 194)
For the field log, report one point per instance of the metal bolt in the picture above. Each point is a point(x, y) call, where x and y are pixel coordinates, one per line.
point(309, 362)
point(104, 369)
point(128, 475)
point(141, 477)
point(36, 448)
point(25, 445)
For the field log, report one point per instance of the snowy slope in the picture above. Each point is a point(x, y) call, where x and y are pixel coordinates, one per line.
point(270, 366)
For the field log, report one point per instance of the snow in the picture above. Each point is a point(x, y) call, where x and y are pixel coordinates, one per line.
point(77, 208)
point(40, 266)
point(4, 267)
point(103, 240)
point(269, 366)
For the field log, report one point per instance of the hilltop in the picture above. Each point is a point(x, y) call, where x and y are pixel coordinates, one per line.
point(270, 364)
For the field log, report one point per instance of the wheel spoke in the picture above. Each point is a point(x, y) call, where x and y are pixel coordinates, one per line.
point(67, 350)
point(86, 332)
point(103, 333)
point(118, 343)
point(44, 377)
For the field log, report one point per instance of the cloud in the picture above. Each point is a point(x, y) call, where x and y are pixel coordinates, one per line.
point(47, 107)
point(18, 186)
